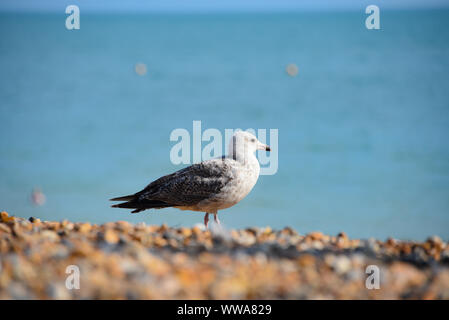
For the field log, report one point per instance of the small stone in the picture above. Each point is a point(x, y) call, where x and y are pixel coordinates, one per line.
point(111, 236)
point(318, 245)
point(403, 275)
point(5, 217)
point(163, 228)
point(316, 235)
point(436, 240)
point(372, 245)
point(186, 232)
point(247, 239)
point(26, 225)
point(123, 226)
point(83, 228)
point(306, 260)
point(52, 225)
point(4, 228)
point(288, 231)
point(267, 231)
point(159, 242)
point(341, 264)
point(64, 223)
point(405, 248)
point(342, 235)
point(50, 235)
point(34, 220)
point(391, 242)
point(198, 229)
point(253, 231)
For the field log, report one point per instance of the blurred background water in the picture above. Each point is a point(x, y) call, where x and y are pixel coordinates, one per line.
point(363, 127)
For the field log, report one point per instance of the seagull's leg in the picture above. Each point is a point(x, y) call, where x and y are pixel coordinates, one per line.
point(216, 218)
point(206, 219)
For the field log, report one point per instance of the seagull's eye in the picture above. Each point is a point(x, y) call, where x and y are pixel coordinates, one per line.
point(253, 140)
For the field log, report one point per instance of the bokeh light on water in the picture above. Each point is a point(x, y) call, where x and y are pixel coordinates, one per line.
point(38, 198)
point(292, 70)
point(140, 68)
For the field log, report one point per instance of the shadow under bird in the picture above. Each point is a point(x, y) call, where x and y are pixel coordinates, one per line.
point(208, 186)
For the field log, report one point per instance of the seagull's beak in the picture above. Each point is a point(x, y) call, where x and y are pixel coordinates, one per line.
point(264, 147)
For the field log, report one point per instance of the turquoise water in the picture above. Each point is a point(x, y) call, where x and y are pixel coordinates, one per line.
point(363, 128)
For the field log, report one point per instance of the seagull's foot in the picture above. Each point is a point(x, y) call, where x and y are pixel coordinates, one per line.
point(216, 218)
point(206, 219)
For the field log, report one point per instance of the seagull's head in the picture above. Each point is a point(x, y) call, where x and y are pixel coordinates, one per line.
point(245, 142)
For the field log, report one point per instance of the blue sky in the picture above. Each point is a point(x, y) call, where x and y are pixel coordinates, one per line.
point(213, 5)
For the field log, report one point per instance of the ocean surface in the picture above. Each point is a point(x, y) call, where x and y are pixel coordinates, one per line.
point(363, 127)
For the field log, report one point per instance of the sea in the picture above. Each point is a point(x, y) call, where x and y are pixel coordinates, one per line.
point(362, 116)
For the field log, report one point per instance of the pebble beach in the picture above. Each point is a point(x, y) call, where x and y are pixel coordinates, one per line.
point(120, 260)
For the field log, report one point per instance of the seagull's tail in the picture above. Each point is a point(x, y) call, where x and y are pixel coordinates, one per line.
point(124, 198)
point(133, 202)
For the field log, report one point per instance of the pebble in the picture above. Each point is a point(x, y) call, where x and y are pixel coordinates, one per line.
point(119, 260)
point(4, 217)
point(83, 227)
point(49, 235)
point(341, 264)
point(111, 236)
point(315, 235)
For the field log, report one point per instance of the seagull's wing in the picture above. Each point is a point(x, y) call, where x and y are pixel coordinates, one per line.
point(190, 185)
point(185, 187)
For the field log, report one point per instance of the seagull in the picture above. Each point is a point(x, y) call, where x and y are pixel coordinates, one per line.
point(207, 186)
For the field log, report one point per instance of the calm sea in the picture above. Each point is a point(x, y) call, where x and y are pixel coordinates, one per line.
point(363, 127)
